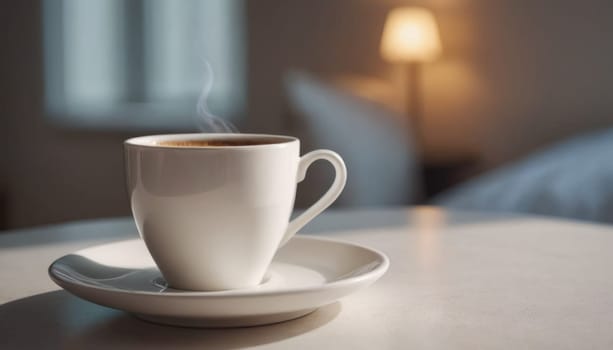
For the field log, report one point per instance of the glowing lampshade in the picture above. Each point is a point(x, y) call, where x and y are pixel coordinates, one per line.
point(410, 35)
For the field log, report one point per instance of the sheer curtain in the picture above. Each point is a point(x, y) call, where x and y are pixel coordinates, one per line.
point(141, 64)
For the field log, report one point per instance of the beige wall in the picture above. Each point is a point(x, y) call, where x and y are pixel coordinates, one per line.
point(520, 74)
point(516, 74)
point(48, 174)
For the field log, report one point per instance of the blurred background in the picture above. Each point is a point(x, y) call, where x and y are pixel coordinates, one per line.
point(500, 105)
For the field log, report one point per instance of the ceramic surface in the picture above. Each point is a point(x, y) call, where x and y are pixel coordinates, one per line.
point(306, 273)
point(213, 217)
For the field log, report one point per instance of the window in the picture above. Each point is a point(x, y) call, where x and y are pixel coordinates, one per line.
point(141, 64)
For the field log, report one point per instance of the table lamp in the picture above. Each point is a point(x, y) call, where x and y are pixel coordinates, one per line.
point(411, 37)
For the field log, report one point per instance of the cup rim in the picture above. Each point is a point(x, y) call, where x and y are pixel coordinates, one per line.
point(150, 141)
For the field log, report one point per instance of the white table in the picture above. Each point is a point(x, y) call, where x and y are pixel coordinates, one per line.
point(456, 281)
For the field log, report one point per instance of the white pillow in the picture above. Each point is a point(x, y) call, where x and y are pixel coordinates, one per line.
point(573, 179)
point(376, 147)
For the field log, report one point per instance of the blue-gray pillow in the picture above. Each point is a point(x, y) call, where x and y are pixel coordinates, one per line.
point(573, 179)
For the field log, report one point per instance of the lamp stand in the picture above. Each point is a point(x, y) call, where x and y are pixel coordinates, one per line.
point(414, 101)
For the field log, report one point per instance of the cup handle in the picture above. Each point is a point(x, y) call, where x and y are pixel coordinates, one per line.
point(340, 178)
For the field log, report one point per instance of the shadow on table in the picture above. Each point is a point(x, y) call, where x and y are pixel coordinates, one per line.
point(57, 319)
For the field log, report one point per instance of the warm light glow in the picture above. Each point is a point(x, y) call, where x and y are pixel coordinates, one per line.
point(410, 34)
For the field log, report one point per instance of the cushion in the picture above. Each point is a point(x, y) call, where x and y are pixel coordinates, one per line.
point(573, 179)
point(373, 141)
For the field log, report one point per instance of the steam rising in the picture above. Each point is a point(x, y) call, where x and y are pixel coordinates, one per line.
point(205, 120)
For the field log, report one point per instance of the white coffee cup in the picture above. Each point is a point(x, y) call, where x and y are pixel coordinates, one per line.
point(213, 216)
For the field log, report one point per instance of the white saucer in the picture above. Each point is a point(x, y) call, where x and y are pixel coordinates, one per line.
point(307, 273)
